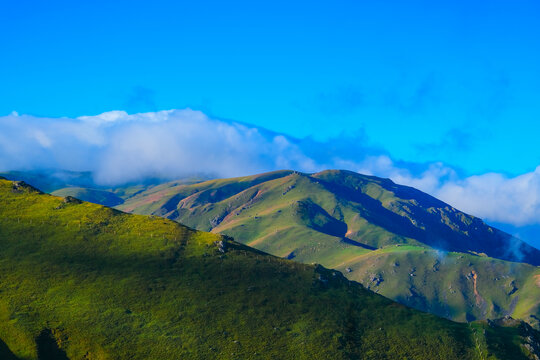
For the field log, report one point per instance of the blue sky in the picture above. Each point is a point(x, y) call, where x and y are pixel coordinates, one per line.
point(443, 96)
point(454, 81)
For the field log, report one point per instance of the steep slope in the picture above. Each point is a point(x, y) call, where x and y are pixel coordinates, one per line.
point(337, 218)
point(371, 211)
point(79, 280)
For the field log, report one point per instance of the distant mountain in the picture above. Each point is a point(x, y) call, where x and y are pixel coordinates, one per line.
point(394, 239)
point(82, 281)
point(97, 196)
point(51, 180)
point(82, 185)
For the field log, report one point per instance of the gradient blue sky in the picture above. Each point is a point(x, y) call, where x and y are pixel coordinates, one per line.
point(455, 81)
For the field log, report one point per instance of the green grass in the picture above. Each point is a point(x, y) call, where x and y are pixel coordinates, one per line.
point(335, 218)
point(442, 282)
point(85, 281)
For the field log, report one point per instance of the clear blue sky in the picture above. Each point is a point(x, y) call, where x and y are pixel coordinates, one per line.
point(455, 81)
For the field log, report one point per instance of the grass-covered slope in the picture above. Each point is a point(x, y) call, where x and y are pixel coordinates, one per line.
point(345, 205)
point(458, 286)
point(82, 281)
point(337, 218)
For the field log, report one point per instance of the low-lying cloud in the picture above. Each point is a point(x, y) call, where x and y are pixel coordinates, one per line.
point(492, 196)
point(120, 148)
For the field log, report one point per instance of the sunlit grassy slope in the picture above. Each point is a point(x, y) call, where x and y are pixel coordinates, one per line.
point(82, 281)
point(337, 218)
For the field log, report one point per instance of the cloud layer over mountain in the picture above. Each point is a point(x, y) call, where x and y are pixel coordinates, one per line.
point(120, 148)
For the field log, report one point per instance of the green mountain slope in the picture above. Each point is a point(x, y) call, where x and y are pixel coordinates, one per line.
point(82, 281)
point(338, 219)
point(458, 286)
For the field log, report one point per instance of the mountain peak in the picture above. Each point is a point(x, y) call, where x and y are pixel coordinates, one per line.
point(98, 283)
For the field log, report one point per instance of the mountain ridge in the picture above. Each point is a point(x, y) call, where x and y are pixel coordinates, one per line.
point(455, 220)
point(81, 280)
point(304, 217)
point(345, 220)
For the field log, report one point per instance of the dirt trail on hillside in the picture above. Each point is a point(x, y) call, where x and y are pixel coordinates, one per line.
point(479, 299)
point(537, 280)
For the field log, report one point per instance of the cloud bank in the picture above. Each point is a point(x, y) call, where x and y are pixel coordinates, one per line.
point(491, 196)
point(120, 148)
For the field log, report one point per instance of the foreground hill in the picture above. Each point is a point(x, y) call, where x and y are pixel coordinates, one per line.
point(394, 239)
point(79, 280)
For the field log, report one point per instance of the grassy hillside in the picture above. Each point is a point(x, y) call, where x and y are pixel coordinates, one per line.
point(459, 286)
point(338, 219)
point(79, 280)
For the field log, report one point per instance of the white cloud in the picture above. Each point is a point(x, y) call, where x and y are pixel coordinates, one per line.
point(119, 148)
point(497, 197)
point(492, 196)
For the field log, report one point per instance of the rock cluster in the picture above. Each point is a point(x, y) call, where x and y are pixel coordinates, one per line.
point(222, 246)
